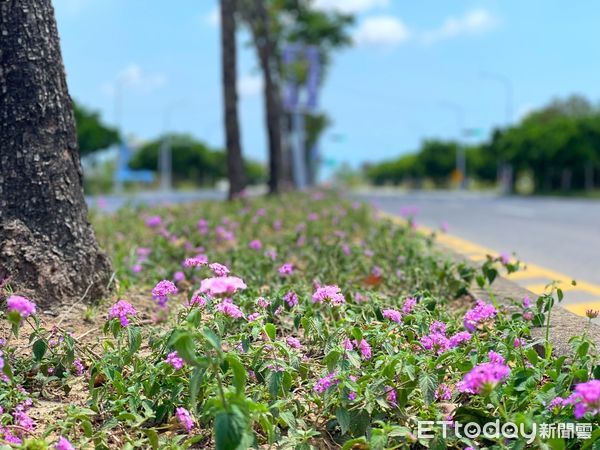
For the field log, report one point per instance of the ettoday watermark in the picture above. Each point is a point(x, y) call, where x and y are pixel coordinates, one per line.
point(495, 430)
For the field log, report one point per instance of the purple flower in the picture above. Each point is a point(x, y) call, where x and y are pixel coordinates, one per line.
point(352, 396)
point(219, 269)
point(443, 392)
point(162, 290)
point(255, 244)
point(63, 444)
point(293, 342)
point(174, 360)
point(504, 258)
point(184, 418)
point(391, 395)
point(22, 305)
point(252, 317)
point(484, 377)
point(409, 305)
point(393, 315)
point(79, 368)
point(196, 261)
point(221, 285)
point(229, 309)
point(526, 301)
point(286, 269)
point(178, 276)
point(436, 342)
point(153, 221)
point(263, 302)
point(459, 338)
point(198, 300)
point(328, 293)
point(325, 383)
point(123, 311)
point(586, 399)
point(496, 358)
point(480, 313)
point(291, 298)
point(558, 403)
point(364, 348)
point(438, 327)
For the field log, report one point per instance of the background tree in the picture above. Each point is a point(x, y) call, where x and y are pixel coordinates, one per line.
point(193, 162)
point(47, 246)
point(92, 133)
point(235, 165)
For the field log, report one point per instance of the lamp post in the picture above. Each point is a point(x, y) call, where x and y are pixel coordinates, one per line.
point(461, 160)
point(508, 92)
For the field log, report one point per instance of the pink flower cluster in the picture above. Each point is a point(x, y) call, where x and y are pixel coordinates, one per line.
point(123, 311)
point(22, 305)
point(393, 315)
point(286, 269)
point(439, 342)
point(184, 418)
point(221, 285)
point(219, 269)
point(162, 290)
point(196, 261)
point(585, 399)
point(229, 309)
point(484, 377)
point(479, 314)
point(331, 294)
point(175, 361)
point(325, 383)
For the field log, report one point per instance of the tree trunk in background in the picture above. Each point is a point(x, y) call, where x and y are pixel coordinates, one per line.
point(261, 34)
point(235, 163)
point(47, 246)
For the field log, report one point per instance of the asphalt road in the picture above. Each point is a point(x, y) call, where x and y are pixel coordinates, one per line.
point(556, 236)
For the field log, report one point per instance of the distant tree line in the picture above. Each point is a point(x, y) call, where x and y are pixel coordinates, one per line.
point(558, 147)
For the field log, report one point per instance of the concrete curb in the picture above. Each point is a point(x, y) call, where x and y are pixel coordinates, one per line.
point(563, 324)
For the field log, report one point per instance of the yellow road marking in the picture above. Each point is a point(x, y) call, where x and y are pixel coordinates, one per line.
point(581, 308)
point(476, 252)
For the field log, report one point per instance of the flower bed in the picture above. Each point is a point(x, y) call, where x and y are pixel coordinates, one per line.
point(300, 322)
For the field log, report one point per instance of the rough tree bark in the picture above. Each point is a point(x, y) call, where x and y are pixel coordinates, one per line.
point(257, 18)
point(235, 163)
point(47, 246)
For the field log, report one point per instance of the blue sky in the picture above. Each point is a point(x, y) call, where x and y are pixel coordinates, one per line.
point(385, 94)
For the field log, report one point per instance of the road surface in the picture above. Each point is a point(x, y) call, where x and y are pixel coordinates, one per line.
point(558, 239)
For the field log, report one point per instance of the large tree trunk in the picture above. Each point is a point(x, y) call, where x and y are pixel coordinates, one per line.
point(47, 246)
point(258, 21)
point(235, 163)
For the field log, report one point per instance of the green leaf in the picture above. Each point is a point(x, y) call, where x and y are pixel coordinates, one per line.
point(39, 349)
point(134, 338)
point(184, 344)
point(427, 384)
point(343, 419)
point(195, 384)
point(239, 373)
point(270, 330)
point(212, 339)
point(532, 356)
point(583, 349)
point(231, 431)
point(152, 436)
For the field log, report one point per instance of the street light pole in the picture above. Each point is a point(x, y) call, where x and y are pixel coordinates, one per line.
point(461, 159)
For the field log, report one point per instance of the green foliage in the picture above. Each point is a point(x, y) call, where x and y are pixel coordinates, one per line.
point(192, 161)
point(92, 133)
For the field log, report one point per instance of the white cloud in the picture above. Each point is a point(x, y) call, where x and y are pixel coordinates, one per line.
point(213, 18)
point(472, 22)
point(250, 85)
point(350, 6)
point(132, 76)
point(381, 31)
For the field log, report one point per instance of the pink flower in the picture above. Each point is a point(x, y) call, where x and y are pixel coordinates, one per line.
point(123, 311)
point(63, 444)
point(196, 261)
point(409, 305)
point(175, 360)
point(438, 327)
point(364, 347)
point(198, 300)
point(255, 244)
point(162, 290)
point(178, 276)
point(459, 338)
point(325, 383)
point(221, 285)
point(586, 399)
point(153, 221)
point(263, 302)
point(291, 298)
point(219, 269)
point(252, 317)
point(443, 392)
point(79, 368)
point(484, 377)
point(286, 269)
point(184, 418)
point(480, 313)
point(229, 309)
point(22, 305)
point(393, 315)
point(328, 293)
point(293, 342)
